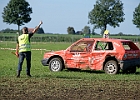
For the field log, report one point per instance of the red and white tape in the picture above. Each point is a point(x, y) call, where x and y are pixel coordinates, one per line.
point(31, 49)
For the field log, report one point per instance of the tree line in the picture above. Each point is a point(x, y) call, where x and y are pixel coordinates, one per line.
point(8, 30)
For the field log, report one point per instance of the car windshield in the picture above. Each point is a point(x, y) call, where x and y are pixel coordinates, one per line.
point(82, 46)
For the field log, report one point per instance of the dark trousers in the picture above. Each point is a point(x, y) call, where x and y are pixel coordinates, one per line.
point(26, 55)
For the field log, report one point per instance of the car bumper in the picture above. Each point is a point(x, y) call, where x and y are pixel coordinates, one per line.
point(44, 62)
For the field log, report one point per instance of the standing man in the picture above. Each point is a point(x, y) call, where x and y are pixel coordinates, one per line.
point(23, 49)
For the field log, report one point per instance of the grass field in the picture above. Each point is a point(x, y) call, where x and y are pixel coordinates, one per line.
point(70, 85)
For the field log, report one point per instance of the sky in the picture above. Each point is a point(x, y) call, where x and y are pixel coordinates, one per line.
point(58, 15)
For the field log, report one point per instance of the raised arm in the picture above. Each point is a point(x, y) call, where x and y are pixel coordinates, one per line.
point(37, 27)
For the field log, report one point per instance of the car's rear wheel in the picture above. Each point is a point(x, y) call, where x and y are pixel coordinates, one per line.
point(133, 70)
point(111, 67)
point(55, 65)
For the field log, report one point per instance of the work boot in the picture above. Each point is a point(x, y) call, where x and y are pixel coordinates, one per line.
point(18, 74)
point(28, 74)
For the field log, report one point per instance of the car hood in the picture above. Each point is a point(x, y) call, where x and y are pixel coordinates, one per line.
point(49, 54)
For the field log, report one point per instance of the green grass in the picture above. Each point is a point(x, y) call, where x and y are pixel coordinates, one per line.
point(8, 61)
point(64, 85)
point(38, 45)
point(8, 65)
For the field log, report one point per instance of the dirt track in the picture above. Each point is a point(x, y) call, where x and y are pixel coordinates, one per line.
point(66, 89)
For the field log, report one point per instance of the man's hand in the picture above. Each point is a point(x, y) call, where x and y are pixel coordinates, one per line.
point(40, 23)
point(37, 27)
point(16, 53)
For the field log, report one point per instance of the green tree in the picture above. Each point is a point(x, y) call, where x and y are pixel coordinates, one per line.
point(8, 30)
point(86, 30)
point(17, 12)
point(106, 12)
point(70, 30)
point(120, 34)
point(136, 16)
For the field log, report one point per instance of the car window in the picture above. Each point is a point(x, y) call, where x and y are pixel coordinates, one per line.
point(129, 46)
point(82, 46)
point(101, 45)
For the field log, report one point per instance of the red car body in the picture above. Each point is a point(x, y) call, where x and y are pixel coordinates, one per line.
point(109, 55)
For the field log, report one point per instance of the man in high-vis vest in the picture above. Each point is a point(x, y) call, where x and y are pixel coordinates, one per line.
point(23, 49)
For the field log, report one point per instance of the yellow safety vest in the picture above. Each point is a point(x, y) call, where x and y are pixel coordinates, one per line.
point(24, 44)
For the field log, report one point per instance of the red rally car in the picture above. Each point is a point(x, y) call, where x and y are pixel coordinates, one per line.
point(110, 55)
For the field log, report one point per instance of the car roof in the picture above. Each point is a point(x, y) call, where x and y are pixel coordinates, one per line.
point(105, 39)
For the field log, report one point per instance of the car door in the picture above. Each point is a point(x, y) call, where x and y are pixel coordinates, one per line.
point(98, 55)
point(101, 49)
point(78, 55)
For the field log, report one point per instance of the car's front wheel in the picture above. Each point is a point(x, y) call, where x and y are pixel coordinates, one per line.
point(111, 67)
point(55, 65)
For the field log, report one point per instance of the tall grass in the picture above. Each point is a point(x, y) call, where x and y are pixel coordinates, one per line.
point(70, 35)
